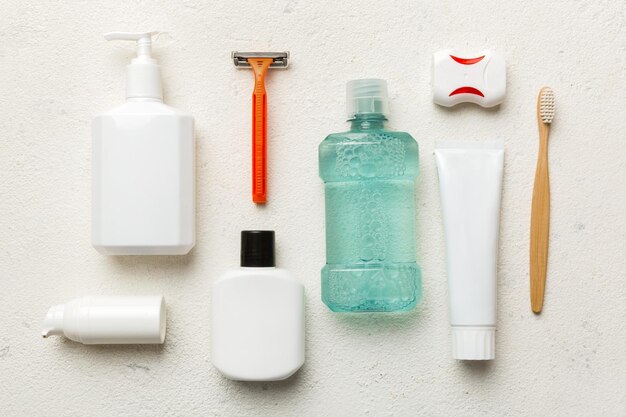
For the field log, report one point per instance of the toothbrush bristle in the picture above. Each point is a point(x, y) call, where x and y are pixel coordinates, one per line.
point(546, 104)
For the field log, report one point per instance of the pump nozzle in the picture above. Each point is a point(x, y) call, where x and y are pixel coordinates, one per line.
point(144, 40)
point(143, 78)
point(53, 323)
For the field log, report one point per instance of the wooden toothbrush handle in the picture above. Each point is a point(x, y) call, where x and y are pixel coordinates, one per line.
point(540, 223)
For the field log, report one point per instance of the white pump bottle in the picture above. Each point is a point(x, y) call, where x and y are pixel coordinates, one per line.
point(143, 200)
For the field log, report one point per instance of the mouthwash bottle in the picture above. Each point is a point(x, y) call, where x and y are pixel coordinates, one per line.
point(369, 174)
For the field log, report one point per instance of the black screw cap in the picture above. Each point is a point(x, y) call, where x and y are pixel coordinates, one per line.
point(257, 248)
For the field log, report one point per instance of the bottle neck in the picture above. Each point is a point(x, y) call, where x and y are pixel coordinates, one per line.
point(370, 121)
point(143, 80)
point(143, 99)
point(257, 267)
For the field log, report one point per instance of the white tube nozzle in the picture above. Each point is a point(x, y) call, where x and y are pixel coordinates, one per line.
point(53, 323)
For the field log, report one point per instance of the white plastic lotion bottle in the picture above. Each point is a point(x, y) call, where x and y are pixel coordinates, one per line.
point(143, 200)
point(257, 316)
point(109, 320)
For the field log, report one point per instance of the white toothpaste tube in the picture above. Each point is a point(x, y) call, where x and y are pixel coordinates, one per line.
point(470, 182)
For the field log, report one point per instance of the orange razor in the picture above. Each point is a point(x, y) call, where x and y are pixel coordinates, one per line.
point(260, 62)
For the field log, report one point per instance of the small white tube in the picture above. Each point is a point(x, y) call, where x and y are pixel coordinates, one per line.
point(109, 320)
point(470, 182)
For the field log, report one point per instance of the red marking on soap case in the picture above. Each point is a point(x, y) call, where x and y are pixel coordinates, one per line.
point(467, 61)
point(467, 90)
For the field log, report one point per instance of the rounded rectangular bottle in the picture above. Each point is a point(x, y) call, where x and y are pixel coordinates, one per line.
point(257, 330)
point(370, 174)
point(143, 180)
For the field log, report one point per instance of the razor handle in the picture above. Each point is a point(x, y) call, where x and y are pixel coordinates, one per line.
point(259, 130)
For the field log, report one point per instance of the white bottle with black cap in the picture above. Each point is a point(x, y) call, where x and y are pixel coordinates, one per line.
point(143, 198)
point(257, 316)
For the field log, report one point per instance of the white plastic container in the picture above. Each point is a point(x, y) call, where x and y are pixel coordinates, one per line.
point(109, 320)
point(257, 316)
point(143, 200)
point(470, 182)
point(478, 78)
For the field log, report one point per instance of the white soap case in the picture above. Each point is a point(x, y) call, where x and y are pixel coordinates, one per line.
point(468, 78)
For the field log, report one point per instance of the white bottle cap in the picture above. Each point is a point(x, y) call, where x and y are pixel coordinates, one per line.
point(473, 343)
point(143, 75)
point(367, 96)
point(109, 320)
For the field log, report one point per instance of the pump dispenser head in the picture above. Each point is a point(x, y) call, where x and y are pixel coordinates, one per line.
point(143, 75)
point(367, 96)
point(53, 324)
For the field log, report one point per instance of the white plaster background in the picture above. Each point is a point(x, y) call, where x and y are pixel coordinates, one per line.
point(56, 72)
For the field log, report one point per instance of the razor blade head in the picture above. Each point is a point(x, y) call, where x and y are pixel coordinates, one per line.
point(279, 59)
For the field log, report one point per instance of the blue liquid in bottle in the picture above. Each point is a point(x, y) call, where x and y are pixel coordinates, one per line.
point(370, 174)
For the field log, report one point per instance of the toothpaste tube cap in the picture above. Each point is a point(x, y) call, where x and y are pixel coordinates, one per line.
point(473, 343)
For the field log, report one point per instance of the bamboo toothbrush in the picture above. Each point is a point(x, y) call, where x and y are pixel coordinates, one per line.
point(540, 213)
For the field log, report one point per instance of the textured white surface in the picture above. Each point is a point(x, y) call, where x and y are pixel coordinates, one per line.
point(56, 72)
